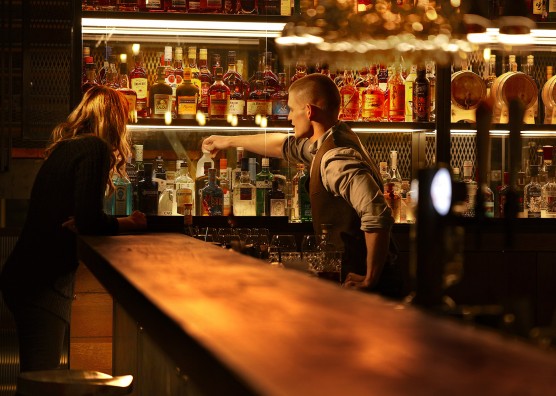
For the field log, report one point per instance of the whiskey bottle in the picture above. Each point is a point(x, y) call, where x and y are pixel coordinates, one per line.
point(271, 84)
point(234, 81)
point(280, 109)
point(193, 6)
point(160, 96)
point(130, 94)
point(212, 196)
point(184, 188)
point(178, 65)
point(421, 96)
point(170, 77)
point(372, 99)
point(258, 101)
point(206, 80)
point(264, 185)
point(236, 173)
point(533, 194)
point(431, 75)
point(211, 6)
point(276, 200)
point(396, 96)
point(215, 62)
point(147, 192)
point(349, 96)
point(187, 97)
point(549, 193)
point(408, 83)
point(244, 193)
point(362, 80)
point(192, 61)
point(218, 97)
point(177, 6)
point(138, 80)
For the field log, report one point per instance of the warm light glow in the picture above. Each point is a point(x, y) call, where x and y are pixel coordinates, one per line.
point(486, 54)
point(123, 58)
point(168, 118)
point(200, 117)
point(264, 122)
point(135, 48)
point(515, 39)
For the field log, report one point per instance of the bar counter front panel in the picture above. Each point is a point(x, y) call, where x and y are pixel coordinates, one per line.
point(234, 325)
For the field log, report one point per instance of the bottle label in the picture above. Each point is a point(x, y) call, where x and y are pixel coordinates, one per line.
point(187, 105)
point(139, 85)
point(121, 200)
point(245, 193)
point(409, 101)
point(421, 103)
point(153, 4)
point(263, 184)
point(261, 107)
point(277, 207)
point(194, 6)
point(218, 104)
point(397, 100)
point(214, 4)
point(236, 107)
point(212, 205)
point(285, 7)
point(162, 104)
point(183, 196)
point(350, 105)
point(280, 107)
point(205, 95)
point(372, 105)
point(551, 205)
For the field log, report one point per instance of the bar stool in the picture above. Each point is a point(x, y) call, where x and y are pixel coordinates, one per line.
point(72, 383)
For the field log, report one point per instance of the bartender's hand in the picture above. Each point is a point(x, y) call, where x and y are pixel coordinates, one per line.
point(214, 143)
point(356, 281)
point(135, 221)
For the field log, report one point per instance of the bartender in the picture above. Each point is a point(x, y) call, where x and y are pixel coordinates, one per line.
point(345, 185)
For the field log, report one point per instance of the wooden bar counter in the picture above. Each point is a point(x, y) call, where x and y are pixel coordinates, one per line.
point(234, 325)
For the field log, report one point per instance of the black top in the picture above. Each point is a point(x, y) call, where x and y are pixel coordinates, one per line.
point(71, 182)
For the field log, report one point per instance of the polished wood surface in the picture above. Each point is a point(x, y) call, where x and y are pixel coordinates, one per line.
point(239, 326)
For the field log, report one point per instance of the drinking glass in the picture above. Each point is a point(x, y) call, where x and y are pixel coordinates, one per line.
point(309, 250)
point(282, 248)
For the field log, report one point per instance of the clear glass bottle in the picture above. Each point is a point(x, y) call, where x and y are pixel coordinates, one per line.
point(533, 194)
point(218, 97)
point(112, 73)
point(491, 74)
point(236, 173)
point(185, 187)
point(396, 96)
point(147, 192)
point(349, 96)
point(471, 185)
point(160, 96)
point(264, 186)
point(167, 201)
point(90, 80)
point(394, 175)
point(212, 196)
point(139, 83)
point(187, 97)
point(372, 99)
point(549, 193)
point(244, 193)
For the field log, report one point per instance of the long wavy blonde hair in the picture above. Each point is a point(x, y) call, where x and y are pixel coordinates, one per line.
point(103, 112)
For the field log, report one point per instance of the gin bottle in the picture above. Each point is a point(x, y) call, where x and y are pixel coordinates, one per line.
point(147, 192)
point(123, 196)
point(533, 193)
point(264, 185)
point(244, 194)
point(212, 196)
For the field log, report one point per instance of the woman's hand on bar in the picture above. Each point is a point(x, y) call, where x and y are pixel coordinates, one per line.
point(356, 281)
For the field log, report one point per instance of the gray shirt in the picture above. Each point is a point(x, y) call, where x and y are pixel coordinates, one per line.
point(345, 173)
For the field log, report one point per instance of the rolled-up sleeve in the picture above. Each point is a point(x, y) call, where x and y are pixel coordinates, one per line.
point(345, 174)
point(297, 150)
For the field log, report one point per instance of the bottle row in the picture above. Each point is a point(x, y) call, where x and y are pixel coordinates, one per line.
point(253, 7)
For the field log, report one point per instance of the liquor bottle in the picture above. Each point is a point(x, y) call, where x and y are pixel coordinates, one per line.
point(300, 70)
point(147, 192)
point(224, 182)
point(264, 185)
point(339, 80)
point(212, 6)
point(512, 64)
point(431, 75)
point(394, 175)
point(200, 183)
point(396, 96)
point(236, 173)
point(349, 96)
point(185, 187)
point(362, 80)
point(276, 200)
point(372, 99)
point(383, 77)
point(295, 215)
point(212, 196)
point(138, 80)
point(159, 173)
point(244, 194)
point(160, 96)
point(112, 73)
point(495, 181)
point(234, 81)
point(551, 10)
point(304, 200)
point(253, 170)
point(421, 96)
point(101, 77)
point(123, 196)
point(170, 77)
point(90, 79)
point(124, 88)
point(218, 97)
point(258, 101)
point(549, 193)
point(520, 188)
point(187, 97)
point(384, 172)
point(215, 62)
point(471, 189)
point(247, 6)
point(167, 201)
point(131, 171)
point(393, 199)
point(411, 77)
point(271, 82)
point(188, 228)
point(325, 69)
point(491, 74)
point(206, 80)
point(280, 109)
point(533, 112)
point(230, 6)
point(488, 201)
point(533, 194)
point(193, 6)
point(192, 61)
point(178, 65)
point(205, 159)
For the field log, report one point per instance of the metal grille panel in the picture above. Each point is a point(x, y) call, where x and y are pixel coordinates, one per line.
point(379, 146)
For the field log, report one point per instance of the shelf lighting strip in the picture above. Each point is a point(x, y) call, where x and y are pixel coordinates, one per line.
point(492, 36)
point(145, 27)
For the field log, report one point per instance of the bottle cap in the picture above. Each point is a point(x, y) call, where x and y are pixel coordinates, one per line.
point(265, 162)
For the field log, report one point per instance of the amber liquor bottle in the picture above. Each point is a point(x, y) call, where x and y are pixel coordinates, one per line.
point(349, 96)
point(206, 80)
point(396, 99)
point(271, 84)
point(218, 97)
point(138, 80)
point(233, 80)
point(129, 93)
point(187, 97)
point(160, 96)
point(192, 61)
point(258, 101)
point(178, 65)
point(372, 99)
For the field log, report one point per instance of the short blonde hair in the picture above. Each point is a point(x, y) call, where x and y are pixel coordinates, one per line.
point(102, 112)
point(320, 91)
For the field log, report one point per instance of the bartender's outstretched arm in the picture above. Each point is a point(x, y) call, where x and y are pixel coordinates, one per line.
point(267, 144)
